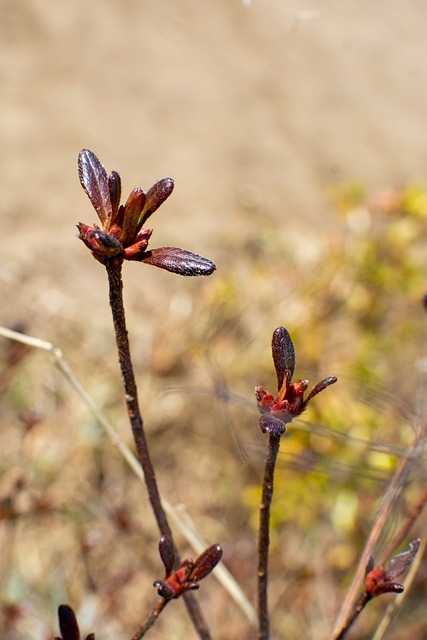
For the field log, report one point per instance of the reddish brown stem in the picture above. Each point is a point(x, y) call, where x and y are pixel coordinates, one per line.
point(264, 536)
point(154, 614)
point(357, 609)
point(114, 271)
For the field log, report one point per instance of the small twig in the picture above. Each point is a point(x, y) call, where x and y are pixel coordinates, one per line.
point(151, 619)
point(364, 599)
point(264, 536)
point(114, 271)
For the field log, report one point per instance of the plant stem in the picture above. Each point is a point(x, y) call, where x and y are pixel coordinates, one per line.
point(114, 271)
point(264, 536)
point(154, 614)
point(358, 608)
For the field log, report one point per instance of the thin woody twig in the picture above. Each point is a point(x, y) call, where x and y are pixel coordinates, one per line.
point(151, 619)
point(114, 268)
point(264, 536)
point(114, 271)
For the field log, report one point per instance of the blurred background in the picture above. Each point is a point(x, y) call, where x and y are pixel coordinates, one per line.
point(294, 133)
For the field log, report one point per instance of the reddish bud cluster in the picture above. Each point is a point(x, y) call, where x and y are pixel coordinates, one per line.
point(189, 574)
point(122, 234)
point(379, 580)
point(289, 402)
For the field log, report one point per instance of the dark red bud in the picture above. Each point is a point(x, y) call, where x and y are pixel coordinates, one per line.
point(90, 636)
point(164, 590)
point(377, 582)
point(115, 189)
point(136, 251)
point(263, 398)
point(320, 386)
point(167, 553)
point(99, 241)
point(133, 208)
point(272, 425)
point(204, 564)
point(155, 197)
point(180, 261)
point(68, 623)
point(283, 354)
point(94, 181)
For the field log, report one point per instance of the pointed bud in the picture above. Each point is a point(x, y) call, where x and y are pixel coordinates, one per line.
point(206, 562)
point(94, 181)
point(164, 589)
point(68, 623)
point(98, 241)
point(167, 553)
point(136, 251)
point(273, 425)
point(379, 580)
point(115, 189)
point(283, 354)
point(180, 261)
point(377, 583)
point(263, 398)
point(133, 207)
point(320, 386)
point(155, 197)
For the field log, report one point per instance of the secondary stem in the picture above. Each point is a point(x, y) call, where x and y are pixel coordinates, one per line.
point(264, 536)
point(114, 271)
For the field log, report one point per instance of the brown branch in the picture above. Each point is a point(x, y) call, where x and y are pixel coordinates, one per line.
point(264, 536)
point(152, 617)
point(114, 271)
